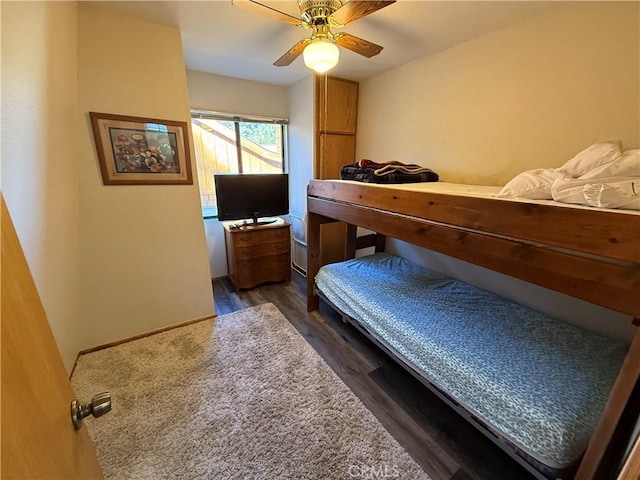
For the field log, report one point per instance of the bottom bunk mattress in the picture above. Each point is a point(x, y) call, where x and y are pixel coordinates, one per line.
point(536, 382)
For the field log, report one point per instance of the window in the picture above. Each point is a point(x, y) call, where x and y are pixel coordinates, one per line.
point(233, 144)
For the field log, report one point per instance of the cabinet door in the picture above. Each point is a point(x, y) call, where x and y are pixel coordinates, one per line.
point(336, 105)
point(336, 150)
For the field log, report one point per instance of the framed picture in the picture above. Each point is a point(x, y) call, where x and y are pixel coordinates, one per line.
point(141, 151)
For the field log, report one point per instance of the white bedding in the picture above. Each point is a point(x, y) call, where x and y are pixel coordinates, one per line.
point(608, 192)
point(600, 176)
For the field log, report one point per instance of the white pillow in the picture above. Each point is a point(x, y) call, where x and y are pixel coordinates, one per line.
point(592, 157)
point(626, 165)
point(534, 184)
point(607, 192)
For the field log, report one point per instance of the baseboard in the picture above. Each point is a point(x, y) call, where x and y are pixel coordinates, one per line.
point(139, 336)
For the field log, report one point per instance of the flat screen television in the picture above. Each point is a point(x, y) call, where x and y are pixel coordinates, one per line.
point(252, 197)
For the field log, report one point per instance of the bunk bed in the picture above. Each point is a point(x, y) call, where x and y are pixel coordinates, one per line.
point(587, 253)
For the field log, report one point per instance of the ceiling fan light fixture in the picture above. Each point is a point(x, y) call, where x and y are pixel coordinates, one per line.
point(321, 55)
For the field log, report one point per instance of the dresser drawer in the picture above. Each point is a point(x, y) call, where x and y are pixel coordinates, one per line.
point(256, 276)
point(265, 263)
point(256, 237)
point(262, 250)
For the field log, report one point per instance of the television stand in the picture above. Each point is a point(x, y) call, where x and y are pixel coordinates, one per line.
point(258, 253)
point(255, 221)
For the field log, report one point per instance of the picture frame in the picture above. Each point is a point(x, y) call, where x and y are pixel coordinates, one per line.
point(141, 151)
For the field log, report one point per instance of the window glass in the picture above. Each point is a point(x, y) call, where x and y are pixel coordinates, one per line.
point(261, 147)
point(216, 151)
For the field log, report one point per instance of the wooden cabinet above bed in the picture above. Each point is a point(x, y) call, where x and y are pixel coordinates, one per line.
point(336, 115)
point(337, 101)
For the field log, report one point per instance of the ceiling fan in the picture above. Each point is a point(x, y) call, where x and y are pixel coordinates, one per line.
point(320, 16)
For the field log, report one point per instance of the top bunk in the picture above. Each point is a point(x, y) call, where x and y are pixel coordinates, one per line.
point(589, 253)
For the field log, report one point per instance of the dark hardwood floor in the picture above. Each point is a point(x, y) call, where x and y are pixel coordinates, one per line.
point(441, 441)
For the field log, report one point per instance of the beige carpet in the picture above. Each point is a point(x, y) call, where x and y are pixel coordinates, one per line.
point(242, 396)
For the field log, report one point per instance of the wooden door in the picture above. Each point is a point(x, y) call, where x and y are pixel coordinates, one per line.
point(38, 438)
point(631, 467)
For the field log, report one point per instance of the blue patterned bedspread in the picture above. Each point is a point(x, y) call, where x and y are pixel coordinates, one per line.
point(539, 382)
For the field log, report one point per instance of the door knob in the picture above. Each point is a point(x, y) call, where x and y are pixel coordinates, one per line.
point(100, 404)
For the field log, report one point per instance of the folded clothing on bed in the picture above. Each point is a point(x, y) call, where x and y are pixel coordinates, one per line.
point(537, 382)
point(369, 171)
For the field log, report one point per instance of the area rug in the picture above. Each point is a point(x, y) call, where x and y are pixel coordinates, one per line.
point(242, 396)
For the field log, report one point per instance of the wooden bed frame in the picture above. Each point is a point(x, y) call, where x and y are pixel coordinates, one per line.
point(589, 254)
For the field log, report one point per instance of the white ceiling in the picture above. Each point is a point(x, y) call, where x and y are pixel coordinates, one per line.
point(220, 38)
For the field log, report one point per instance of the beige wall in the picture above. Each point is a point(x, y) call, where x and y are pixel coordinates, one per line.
point(39, 163)
point(530, 95)
point(143, 253)
point(233, 95)
point(108, 262)
point(301, 142)
point(526, 96)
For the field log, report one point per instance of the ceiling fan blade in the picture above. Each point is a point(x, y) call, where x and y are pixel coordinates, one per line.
point(263, 9)
point(355, 9)
point(357, 44)
point(293, 53)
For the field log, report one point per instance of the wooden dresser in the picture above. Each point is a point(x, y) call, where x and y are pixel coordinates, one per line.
point(258, 254)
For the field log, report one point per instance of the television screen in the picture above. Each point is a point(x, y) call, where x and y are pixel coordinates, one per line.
point(252, 196)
